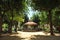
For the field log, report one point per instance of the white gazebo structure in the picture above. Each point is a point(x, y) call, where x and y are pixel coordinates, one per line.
point(29, 25)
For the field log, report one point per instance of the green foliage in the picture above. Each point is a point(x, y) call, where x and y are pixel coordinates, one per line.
point(5, 27)
point(45, 4)
point(43, 17)
point(56, 18)
point(36, 18)
point(12, 8)
point(18, 18)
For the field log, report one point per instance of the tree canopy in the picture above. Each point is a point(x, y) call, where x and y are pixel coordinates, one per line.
point(46, 4)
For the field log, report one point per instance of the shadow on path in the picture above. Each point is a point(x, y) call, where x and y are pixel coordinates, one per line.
point(29, 36)
point(40, 37)
point(10, 38)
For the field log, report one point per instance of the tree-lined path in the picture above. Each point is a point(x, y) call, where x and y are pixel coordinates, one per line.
point(42, 16)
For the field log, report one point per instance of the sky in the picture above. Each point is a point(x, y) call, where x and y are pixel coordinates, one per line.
point(31, 12)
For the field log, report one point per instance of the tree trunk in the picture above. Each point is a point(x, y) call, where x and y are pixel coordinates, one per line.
point(0, 24)
point(10, 28)
point(0, 21)
point(16, 25)
point(11, 23)
point(50, 22)
point(15, 28)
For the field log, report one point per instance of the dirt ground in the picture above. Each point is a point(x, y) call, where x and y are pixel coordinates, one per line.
point(29, 36)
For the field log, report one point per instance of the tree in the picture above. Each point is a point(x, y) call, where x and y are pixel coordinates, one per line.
point(1, 15)
point(36, 19)
point(56, 20)
point(47, 5)
point(26, 19)
point(9, 6)
point(43, 17)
